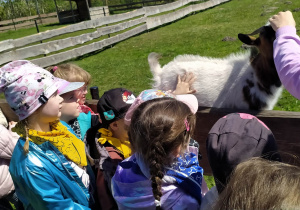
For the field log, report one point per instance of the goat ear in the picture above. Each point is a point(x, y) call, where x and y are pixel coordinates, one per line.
point(249, 40)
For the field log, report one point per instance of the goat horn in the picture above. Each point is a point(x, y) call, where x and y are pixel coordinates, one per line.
point(256, 31)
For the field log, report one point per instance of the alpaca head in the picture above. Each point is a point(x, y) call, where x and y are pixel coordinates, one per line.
point(264, 42)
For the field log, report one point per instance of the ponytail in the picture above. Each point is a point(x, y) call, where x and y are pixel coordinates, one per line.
point(24, 124)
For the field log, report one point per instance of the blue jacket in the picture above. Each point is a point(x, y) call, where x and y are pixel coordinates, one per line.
point(131, 185)
point(44, 179)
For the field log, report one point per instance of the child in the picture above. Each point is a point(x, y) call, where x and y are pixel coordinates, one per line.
point(41, 162)
point(287, 51)
point(111, 140)
point(262, 184)
point(188, 99)
point(154, 176)
point(87, 118)
point(8, 140)
point(233, 139)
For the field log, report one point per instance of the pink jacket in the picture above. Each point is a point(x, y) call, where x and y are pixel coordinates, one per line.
point(287, 58)
point(8, 141)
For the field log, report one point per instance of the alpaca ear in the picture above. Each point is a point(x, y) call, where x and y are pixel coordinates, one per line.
point(249, 40)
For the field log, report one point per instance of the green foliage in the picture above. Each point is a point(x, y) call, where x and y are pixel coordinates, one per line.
point(23, 8)
point(209, 181)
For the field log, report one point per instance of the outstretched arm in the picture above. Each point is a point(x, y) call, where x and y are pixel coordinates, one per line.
point(287, 51)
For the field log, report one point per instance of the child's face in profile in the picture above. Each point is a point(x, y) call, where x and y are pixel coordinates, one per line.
point(119, 130)
point(70, 106)
point(51, 111)
point(81, 94)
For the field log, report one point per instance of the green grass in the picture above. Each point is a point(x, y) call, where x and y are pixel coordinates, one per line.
point(12, 34)
point(125, 64)
point(209, 181)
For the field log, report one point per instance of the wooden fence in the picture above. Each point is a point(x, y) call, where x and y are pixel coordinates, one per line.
point(139, 21)
point(26, 22)
point(136, 5)
point(284, 125)
point(97, 12)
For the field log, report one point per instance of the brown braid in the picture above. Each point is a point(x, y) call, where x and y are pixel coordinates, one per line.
point(157, 130)
point(155, 159)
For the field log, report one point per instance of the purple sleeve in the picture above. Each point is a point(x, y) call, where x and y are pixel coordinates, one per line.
point(287, 58)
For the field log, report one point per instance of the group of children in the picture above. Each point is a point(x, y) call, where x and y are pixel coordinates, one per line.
point(137, 152)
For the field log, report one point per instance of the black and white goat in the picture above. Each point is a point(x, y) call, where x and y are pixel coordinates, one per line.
point(245, 80)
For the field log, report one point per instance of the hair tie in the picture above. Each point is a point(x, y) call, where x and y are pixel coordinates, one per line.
point(54, 68)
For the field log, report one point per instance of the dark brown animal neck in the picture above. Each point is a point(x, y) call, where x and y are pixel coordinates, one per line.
point(266, 73)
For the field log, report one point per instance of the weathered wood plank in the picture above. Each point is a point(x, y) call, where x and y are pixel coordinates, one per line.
point(153, 22)
point(15, 43)
point(56, 45)
point(5, 22)
point(50, 20)
point(5, 28)
point(48, 15)
point(60, 57)
point(284, 125)
point(25, 24)
point(152, 10)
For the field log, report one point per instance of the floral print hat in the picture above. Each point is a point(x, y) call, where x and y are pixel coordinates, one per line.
point(27, 86)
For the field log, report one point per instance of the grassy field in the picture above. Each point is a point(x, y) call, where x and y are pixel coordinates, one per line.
point(125, 64)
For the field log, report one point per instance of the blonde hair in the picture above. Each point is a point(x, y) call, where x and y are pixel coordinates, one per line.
point(24, 124)
point(71, 73)
point(262, 184)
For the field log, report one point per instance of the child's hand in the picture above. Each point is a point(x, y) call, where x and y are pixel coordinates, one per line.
point(282, 19)
point(184, 84)
point(11, 125)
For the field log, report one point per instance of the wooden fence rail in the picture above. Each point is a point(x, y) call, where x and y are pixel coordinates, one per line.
point(284, 125)
point(28, 21)
point(14, 49)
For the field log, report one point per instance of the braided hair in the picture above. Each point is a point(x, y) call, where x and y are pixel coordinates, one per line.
point(157, 131)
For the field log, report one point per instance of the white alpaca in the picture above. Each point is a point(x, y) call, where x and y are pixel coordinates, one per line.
point(244, 80)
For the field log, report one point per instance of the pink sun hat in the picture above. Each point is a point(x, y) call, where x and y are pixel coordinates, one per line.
point(27, 86)
point(146, 95)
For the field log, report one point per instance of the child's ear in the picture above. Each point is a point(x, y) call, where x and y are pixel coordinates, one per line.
point(114, 125)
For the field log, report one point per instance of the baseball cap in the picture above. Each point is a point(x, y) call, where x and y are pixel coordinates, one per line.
point(114, 104)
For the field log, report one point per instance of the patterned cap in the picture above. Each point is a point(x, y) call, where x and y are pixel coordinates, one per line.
point(27, 86)
point(150, 94)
